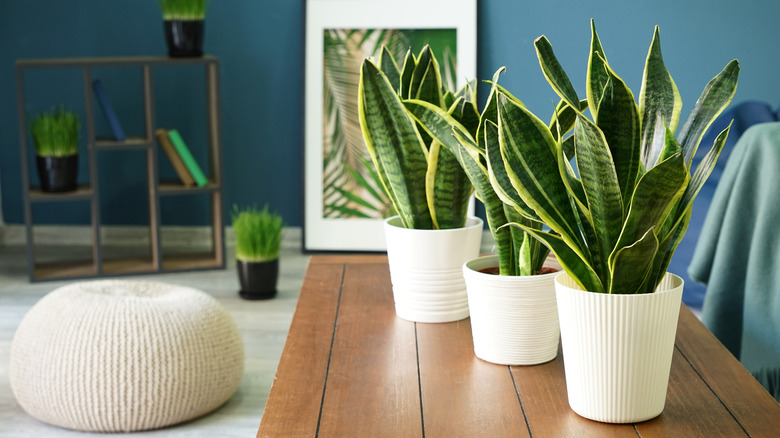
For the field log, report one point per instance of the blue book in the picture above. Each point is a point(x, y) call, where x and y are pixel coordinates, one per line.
point(108, 110)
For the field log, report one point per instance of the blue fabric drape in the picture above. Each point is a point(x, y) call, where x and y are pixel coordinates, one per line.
point(738, 252)
point(744, 115)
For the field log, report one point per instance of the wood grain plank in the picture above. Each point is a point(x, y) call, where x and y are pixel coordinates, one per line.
point(745, 398)
point(293, 405)
point(352, 259)
point(542, 390)
point(691, 409)
point(372, 388)
point(463, 396)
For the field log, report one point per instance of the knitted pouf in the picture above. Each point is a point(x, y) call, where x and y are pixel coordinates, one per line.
point(120, 356)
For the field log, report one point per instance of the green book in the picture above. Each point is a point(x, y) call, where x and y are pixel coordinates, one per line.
point(186, 157)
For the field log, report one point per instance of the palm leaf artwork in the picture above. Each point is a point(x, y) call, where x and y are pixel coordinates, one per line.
point(617, 220)
point(343, 150)
point(352, 187)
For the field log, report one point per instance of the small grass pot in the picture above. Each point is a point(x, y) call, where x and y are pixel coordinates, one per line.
point(258, 240)
point(426, 269)
point(618, 349)
point(55, 137)
point(514, 319)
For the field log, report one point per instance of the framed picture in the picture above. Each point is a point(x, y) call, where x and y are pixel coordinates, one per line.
point(344, 203)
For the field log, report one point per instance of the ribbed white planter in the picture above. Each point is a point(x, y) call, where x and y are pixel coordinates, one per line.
point(514, 319)
point(425, 269)
point(618, 349)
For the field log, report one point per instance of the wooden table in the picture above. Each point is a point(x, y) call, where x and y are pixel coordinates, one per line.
point(351, 368)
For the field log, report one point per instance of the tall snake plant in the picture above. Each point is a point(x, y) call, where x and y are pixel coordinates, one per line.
point(427, 186)
point(618, 217)
point(622, 216)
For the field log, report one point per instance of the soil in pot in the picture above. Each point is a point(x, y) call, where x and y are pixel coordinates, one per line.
point(494, 270)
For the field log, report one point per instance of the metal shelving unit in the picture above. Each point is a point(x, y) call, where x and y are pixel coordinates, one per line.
point(99, 264)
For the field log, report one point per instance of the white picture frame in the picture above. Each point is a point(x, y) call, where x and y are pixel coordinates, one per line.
point(360, 234)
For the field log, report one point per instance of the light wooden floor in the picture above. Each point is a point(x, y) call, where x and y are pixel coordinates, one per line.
point(263, 326)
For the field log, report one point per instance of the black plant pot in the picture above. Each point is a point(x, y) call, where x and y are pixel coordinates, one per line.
point(58, 174)
point(257, 279)
point(184, 37)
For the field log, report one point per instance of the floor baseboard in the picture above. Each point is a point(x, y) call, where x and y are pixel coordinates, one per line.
point(172, 236)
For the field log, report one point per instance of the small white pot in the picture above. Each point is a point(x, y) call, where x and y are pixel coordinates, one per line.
point(618, 349)
point(514, 319)
point(425, 269)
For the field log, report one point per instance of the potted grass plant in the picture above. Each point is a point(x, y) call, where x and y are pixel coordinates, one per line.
point(511, 295)
point(258, 240)
point(183, 23)
point(55, 137)
point(616, 220)
point(432, 235)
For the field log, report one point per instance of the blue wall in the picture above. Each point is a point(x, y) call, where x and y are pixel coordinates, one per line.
point(260, 45)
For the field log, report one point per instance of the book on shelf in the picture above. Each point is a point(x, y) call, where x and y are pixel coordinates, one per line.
point(186, 156)
point(174, 158)
point(108, 110)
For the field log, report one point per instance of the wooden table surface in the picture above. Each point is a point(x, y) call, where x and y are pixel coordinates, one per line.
point(351, 368)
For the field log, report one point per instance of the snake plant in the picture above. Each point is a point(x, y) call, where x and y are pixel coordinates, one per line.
point(619, 211)
point(518, 252)
point(424, 180)
point(619, 218)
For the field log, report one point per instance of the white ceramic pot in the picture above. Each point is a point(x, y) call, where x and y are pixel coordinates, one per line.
point(425, 269)
point(514, 319)
point(617, 349)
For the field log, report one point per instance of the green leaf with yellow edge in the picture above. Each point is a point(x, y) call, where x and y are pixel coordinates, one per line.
point(714, 99)
point(426, 79)
point(395, 146)
point(407, 71)
point(530, 156)
point(618, 119)
point(656, 194)
point(597, 75)
point(554, 73)
point(389, 67)
point(705, 167)
point(499, 178)
point(448, 188)
point(659, 103)
point(665, 252)
point(600, 183)
point(632, 264)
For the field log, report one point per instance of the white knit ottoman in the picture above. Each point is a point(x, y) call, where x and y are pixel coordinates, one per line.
point(120, 356)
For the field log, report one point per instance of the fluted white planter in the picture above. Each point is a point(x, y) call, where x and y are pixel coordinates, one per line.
point(514, 319)
point(425, 269)
point(618, 349)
